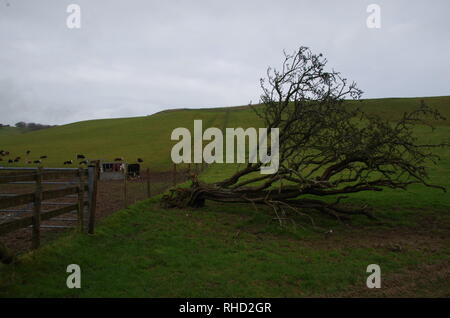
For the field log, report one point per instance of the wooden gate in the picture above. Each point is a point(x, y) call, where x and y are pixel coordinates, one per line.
point(22, 210)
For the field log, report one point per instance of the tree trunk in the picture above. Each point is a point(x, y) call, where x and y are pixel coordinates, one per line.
point(286, 200)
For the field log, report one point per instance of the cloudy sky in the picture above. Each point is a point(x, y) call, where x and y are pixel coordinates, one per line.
point(132, 57)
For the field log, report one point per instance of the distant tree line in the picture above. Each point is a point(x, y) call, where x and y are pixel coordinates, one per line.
point(28, 126)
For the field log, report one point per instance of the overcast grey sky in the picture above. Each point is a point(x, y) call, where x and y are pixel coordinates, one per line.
point(134, 58)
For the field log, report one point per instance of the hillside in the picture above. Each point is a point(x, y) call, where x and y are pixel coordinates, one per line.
point(9, 131)
point(148, 137)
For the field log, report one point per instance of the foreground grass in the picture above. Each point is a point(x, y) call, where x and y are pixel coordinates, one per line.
point(218, 251)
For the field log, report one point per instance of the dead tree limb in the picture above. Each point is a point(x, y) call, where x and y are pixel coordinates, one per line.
point(328, 146)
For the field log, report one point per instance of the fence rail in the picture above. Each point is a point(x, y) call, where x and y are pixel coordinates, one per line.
point(86, 182)
point(46, 175)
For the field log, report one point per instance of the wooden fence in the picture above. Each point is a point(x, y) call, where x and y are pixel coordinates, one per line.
point(85, 182)
point(178, 174)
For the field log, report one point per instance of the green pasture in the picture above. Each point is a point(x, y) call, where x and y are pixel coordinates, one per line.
point(148, 137)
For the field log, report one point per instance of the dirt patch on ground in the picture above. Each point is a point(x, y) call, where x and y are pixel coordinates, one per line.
point(429, 279)
point(396, 240)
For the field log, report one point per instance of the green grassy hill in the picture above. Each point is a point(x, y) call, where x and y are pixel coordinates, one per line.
point(139, 137)
point(148, 137)
point(9, 131)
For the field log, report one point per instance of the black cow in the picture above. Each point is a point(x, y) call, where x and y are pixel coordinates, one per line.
point(81, 157)
point(43, 157)
point(134, 170)
point(68, 162)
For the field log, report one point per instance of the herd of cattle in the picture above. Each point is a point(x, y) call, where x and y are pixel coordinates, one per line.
point(79, 157)
point(4, 153)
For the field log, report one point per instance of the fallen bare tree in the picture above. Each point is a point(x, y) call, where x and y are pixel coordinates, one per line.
point(327, 147)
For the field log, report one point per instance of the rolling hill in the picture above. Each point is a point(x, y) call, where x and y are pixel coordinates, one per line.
point(148, 137)
point(9, 131)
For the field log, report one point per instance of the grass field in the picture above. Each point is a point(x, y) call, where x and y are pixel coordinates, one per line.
point(10, 131)
point(149, 137)
point(233, 250)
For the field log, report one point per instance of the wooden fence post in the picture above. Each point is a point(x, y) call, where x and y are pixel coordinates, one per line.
point(125, 194)
point(92, 185)
point(81, 200)
point(36, 235)
point(149, 194)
